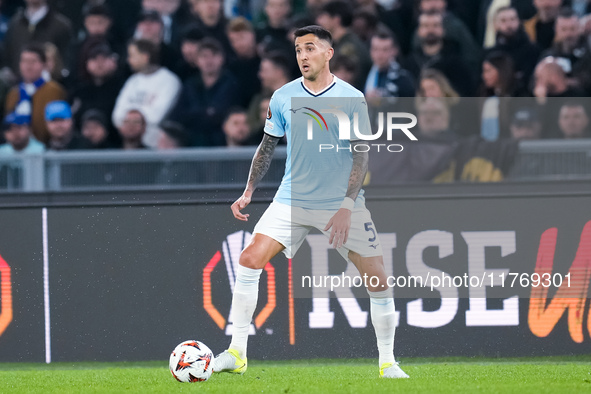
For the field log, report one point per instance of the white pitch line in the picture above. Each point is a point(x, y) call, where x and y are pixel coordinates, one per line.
point(46, 288)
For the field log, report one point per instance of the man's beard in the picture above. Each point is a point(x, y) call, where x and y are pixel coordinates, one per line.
point(507, 35)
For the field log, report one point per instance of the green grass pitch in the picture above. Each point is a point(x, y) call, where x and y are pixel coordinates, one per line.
point(450, 375)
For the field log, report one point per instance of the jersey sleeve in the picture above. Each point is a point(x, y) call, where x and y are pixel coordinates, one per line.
point(275, 122)
point(361, 110)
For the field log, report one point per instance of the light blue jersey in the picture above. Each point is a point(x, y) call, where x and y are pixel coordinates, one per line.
point(32, 147)
point(316, 175)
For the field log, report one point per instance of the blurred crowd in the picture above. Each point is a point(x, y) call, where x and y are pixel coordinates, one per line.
point(161, 74)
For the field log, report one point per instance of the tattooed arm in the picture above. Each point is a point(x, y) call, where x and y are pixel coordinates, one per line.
point(261, 161)
point(341, 221)
point(360, 162)
point(258, 169)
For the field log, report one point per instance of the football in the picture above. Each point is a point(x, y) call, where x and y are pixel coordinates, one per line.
point(191, 361)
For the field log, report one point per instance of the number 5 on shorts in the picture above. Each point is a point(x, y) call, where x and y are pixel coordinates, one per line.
point(373, 232)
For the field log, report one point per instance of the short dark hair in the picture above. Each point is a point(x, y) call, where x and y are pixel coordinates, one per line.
point(150, 15)
point(177, 132)
point(95, 115)
point(280, 61)
point(36, 48)
point(149, 48)
point(316, 30)
point(211, 44)
point(192, 34)
point(340, 8)
point(233, 111)
point(98, 47)
point(368, 16)
point(383, 33)
point(97, 10)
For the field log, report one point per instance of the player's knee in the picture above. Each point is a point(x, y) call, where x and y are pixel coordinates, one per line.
point(377, 283)
point(252, 260)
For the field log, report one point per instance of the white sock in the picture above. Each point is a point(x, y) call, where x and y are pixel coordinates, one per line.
point(382, 318)
point(244, 302)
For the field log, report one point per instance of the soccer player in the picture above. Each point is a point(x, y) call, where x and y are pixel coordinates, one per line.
point(336, 207)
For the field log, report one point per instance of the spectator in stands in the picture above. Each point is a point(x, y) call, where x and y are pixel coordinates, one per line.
point(498, 84)
point(567, 39)
point(551, 90)
point(344, 68)
point(34, 92)
point(336, 16)
point(37, 22)
point(273, 74)
point(455, 30)
point(397, 16)
point(174, 16)
point(173, 136)
point(236, 128)
point(98, 27)
point(485, 30)
point(152, 89)
point(464, 112)
point(101, 89)
point(209, 18)
point(498, 75)
point(124, 19)
point(95, 128)
point(441, 54)
point(540, 28)
point(433, 119)
point(570, 48)
point(97, 21)
point(526, 125)
point(386, 77)
point(434, 84)
point(133, 129)
point(512, 39)
point(186, 66)
point(55, 68)
point(205, 99)
point(573, 121)
point(18, 136)
point(551, 81)
point(271, 35)
point(151, 28)
point(62, 135)
point(245, 66)
point(365, 24)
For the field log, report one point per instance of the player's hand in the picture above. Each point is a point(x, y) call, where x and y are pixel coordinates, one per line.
point(340, 224)
point(240, 204)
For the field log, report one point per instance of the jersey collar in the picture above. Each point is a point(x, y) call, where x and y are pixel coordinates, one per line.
point(316, 94)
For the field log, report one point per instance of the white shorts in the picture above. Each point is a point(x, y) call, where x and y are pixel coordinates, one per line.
point(290, 225)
